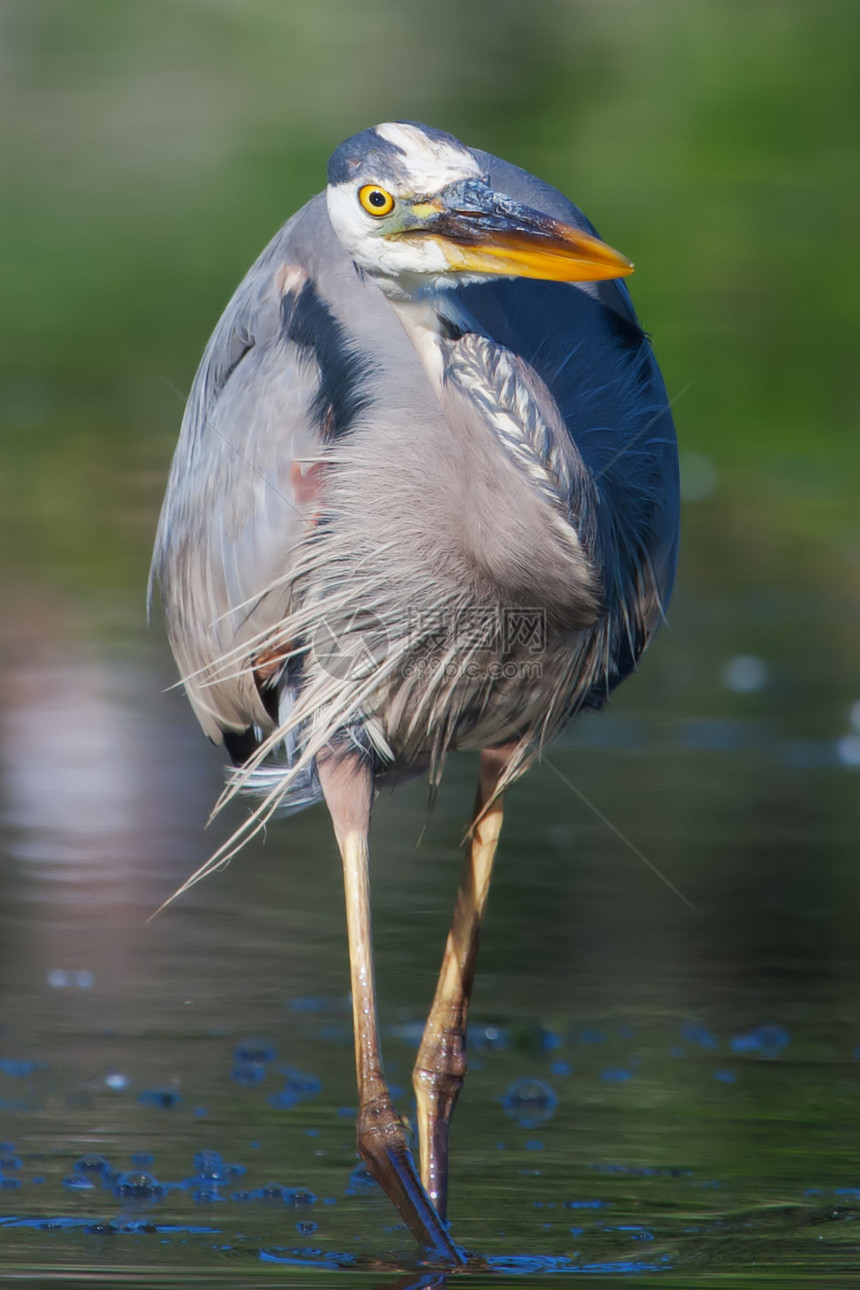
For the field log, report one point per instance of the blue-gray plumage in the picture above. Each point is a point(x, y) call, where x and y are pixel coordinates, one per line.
point(425, 497)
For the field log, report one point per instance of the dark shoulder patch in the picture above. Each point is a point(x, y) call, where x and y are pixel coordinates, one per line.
point(345, 372)
point(241, 745)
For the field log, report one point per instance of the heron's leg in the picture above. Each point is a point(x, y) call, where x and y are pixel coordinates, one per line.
point(347, 784)
point(441, 1064)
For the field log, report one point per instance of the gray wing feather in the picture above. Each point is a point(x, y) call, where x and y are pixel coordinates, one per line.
point(231, 519)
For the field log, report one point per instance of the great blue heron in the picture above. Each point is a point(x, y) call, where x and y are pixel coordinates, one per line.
point(425, 497)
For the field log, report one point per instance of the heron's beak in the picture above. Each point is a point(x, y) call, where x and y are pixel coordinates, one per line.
point(483, 231)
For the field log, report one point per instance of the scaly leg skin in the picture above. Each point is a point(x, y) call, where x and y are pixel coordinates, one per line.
point(441, 1065)
point(347, 784)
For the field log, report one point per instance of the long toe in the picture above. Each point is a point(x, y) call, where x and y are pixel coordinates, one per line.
point(389, 1161)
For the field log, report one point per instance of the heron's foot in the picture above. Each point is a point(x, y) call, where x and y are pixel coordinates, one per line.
point(383, 1148)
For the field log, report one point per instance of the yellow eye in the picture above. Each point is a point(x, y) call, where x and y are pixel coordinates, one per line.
point(375, 200)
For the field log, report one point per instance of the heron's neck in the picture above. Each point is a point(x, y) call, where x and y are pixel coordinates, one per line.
point(429, 318)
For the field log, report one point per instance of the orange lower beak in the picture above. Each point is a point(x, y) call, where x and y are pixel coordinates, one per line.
point(565, 255)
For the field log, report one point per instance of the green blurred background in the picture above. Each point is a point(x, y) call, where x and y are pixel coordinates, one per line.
point(149, 150)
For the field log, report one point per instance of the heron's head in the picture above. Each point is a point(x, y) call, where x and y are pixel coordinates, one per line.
point(413, 207)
